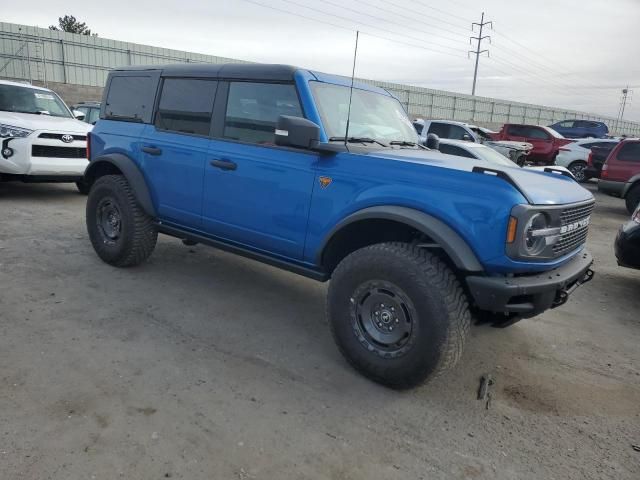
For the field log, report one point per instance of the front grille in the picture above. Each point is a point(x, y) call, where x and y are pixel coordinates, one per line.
point(572, 239)
point(58, 136)
point(58, 152)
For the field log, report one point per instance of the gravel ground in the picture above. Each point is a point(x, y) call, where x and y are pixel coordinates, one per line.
point(202, 365)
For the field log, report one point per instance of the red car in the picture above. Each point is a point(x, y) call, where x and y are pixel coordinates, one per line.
point(620, 174)
point(546, 141)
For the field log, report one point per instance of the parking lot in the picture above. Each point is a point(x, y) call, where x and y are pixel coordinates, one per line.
point(202, 365)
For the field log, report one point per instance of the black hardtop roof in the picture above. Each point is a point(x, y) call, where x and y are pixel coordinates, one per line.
point(247, 71)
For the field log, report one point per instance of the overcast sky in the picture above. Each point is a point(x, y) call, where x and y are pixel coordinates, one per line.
point(575, 54)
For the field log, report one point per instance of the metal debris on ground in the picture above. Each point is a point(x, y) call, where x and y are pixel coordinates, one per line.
point(486, 381)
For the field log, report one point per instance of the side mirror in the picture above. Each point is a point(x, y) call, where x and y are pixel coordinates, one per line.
point(433, 142)
point(296, 132)
point(467, 138)
point(78, 114)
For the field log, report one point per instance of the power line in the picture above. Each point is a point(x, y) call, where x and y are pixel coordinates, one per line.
point(393, 22)
point(350, 29)
point(407, 17)
point(323, 12)
point(466, 21)
point(479, 52)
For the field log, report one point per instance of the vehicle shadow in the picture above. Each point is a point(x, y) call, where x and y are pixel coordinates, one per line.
point(39, 191)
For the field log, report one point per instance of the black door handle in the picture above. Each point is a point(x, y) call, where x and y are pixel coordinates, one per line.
point(223, 164)
point(152, 150)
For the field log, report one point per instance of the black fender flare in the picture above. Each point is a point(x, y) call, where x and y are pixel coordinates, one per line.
point(446, 238)
point(130, 171)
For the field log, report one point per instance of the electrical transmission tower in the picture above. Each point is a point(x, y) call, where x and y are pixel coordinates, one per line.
point(626, 96)
point(477, 52)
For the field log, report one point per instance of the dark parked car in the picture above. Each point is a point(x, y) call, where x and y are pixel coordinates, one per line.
point(627, 246)
point(596, 159)
point(581, 129)
point(91, 111)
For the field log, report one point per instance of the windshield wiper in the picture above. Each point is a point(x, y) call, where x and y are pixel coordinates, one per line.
point(37, 112)
point(358, 140)
point(405, 143)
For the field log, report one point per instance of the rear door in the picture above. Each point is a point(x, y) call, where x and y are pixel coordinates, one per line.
point(257, 194)
point(624, 162)
point(174, 149)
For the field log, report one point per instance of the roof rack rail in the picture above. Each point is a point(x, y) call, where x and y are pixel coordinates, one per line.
point(504, 176)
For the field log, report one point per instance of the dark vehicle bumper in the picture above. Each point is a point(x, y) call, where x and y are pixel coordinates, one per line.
point(611, 187)
point(592, 172)
point(531, 295)
point(627, 245)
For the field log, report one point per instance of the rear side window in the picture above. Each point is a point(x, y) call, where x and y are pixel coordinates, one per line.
point(517, 131)
point(253, 110)
point(567, 124)
point(630, 152)
point(130, 98)
point(439, 129)
point(186, 105)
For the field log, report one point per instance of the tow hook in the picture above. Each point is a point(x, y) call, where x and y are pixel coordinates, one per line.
point(563, 295)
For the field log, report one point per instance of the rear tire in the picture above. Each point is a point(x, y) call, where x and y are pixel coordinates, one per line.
point(577, 170)
point(122, 234)
point(632, 199)
point(398, 314)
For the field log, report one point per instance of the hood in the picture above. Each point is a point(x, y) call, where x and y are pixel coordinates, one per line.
point(44, 122)
point(541, 188)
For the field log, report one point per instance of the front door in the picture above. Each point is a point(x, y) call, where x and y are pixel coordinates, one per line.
point(255, 193)
point(174, 150)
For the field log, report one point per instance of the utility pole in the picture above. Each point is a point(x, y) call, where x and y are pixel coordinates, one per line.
point(477, 52)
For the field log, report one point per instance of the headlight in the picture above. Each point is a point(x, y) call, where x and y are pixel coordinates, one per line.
point(14, 132)
point(536, 231)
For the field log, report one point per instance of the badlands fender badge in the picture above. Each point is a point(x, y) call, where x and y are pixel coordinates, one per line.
point(324, 181)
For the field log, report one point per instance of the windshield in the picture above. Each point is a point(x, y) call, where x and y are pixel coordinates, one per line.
point(490, 155)
point(373, 115)
point(20, 99)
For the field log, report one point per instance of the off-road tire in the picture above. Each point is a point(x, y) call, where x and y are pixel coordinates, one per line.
point(632, 199)
point(82, 187)
point(440, 322)
point(577, 170)
point(136, 233)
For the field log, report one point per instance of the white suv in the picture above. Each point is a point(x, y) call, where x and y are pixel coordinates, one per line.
point(41, 140)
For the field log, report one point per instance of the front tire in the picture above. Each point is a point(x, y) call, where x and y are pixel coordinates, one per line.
point(577, 170)
point(122, 234)
point(398, 314)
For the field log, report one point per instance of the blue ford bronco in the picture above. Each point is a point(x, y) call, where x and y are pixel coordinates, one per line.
point(253, 159)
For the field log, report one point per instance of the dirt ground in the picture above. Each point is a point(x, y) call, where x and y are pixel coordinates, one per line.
point(203, 365)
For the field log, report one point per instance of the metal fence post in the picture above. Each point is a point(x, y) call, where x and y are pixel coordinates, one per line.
point(509, 114)
point(493, 107)
point(64, 64)
point(44, 65)
point(431, 106)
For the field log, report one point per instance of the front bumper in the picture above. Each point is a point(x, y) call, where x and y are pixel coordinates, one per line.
point(531, 295)
point(627, 245)
point(23, 160)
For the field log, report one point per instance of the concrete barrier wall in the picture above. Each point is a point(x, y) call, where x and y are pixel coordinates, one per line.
point(76, 66)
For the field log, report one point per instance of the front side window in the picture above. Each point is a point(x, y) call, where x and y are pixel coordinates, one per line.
point(456, 132)
point(19, 99)
point(94, 115)
point(537, 133)
point(439, 129)
point(253, 110)
point(373, 115)
point(630, 152)
point(516, 131)
point(186, 105)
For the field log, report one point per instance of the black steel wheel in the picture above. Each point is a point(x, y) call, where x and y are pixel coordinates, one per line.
point(121, 233)
point(397, 313)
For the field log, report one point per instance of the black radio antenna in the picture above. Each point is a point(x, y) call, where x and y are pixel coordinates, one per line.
point(353, 73)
